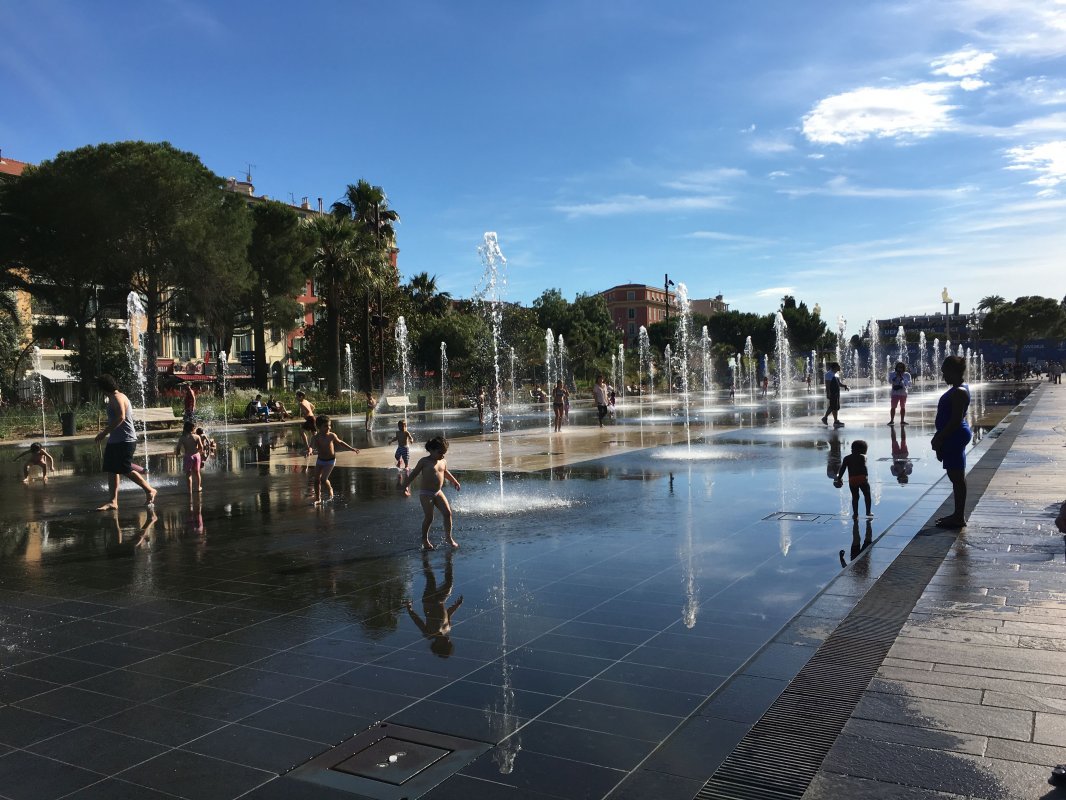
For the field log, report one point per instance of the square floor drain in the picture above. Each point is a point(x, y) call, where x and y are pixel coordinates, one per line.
point(793, 516)
point(390, 762)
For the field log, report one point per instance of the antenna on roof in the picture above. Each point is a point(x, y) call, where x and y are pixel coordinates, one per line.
point(248, 172)
point(292, 199)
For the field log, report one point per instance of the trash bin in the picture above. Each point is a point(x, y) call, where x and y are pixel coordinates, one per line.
point(67, 421)
point(421, 402)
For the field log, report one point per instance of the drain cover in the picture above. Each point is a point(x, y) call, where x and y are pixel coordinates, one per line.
point(793, 516)
point(390, 762)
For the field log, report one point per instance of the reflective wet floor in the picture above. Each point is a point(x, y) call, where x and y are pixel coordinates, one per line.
point(621, 576)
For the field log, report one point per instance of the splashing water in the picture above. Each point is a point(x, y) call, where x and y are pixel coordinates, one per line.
point(549, 365)
point(749, 367)
point(875, 352)
point(782, 358)
point(923, 357)
point(351, 381)
point(621, 385)
point(901, 345)
point(135, 322)
point(403, 355)
point(443, 377)
point(38, 389)
point(682, 337)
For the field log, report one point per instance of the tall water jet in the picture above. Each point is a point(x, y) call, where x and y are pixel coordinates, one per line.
point(875, 352)
point(706, 370)
point(135, 323)
point(38, 389)
point(514, 386)
point(351, 381)
point(493, 259)
point(901, 345)
point(643, 367)
point(443, 377)
point(782, 357)
point(961, 352)
point(923, 357)
point(621, 387)
point(855, 363)
point(682, 337)
point(560, 354)
point(223, 375)
point(549, 366)
point(842, 331)
point(935, 371)
point(749, 367)
point(668, 368)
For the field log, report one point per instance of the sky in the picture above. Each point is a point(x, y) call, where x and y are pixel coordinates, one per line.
point(861, 156)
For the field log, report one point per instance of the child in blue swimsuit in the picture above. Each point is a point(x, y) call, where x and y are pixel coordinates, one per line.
point(404, 440)
point(952, 436)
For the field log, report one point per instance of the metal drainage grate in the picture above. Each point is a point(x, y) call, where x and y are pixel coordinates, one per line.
point(794, 516)
point(390, 762)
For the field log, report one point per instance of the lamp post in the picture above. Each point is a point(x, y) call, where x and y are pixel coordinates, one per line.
point(945, 298)
point(667, 283)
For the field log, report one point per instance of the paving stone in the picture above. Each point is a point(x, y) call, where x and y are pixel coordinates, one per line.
point(919, 737)
point(1050, 728)
point(830, 786)
point(944, 715)
point(1029, 752)
point(930, 690)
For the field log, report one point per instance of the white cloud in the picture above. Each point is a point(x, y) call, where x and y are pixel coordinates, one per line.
point(641, 204)
point(1048, 160)
point(702, 180)
point(962, 63)
point(972, 84)
point(916, 110)
point(778, 173)
point(776, 291)
point(718, 236)
point(841, 187)
point(1043, 90)
point(770, 147)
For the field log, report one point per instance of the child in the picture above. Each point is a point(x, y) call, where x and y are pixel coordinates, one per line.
point(404, 440)
point(434, 470)
point(191, 447)
point(858, 477)
point(952, 436)
point(210, 445)
point(833, 385)
point(326, 442)
point(370, 403)
point(38, 457)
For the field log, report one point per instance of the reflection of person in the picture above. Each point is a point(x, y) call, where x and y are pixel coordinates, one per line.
point(952, 436)
point(858, 476)
point(858, 546)
point(900, 381)
point(369, 411)
point(832, 463)
point(437, 626)
point(191, 447)
point(833, 385)
point(39, 457)
point(901, 462)
point(434, 471)
point(121, 442)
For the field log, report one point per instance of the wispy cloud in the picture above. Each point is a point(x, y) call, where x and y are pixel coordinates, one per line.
point(770, 146)
point(718, 236)
point(776, 291)
point(962, 63)
point(702, 180)
point(1047, 160)
point(841, 187)
point(913, 111)
point(642, 204)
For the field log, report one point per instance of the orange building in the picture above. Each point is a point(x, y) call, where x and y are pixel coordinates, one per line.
point(634, 304)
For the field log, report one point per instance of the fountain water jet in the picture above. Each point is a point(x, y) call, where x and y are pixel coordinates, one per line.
point(493, 259)
point(351, 381)
point(403, 353)
point(682, 348)
point(443, 376)
point(38, 389)
point(135, 323)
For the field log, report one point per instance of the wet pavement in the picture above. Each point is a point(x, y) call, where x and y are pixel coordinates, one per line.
point(629, 600)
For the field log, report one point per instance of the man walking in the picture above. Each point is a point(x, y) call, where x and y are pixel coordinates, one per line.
point(833, 385)
point(599, 394)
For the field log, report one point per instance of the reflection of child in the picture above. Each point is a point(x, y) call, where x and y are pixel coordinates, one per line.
point(369, 410)
point(438, 624)
point(858, 477)
point(39, 457)
point(191, 448)
point(901, 463)
point(434, 471)
point(326, 442)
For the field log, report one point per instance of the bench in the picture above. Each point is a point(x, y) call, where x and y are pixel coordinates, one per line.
point(398, 401)
point(150, 415)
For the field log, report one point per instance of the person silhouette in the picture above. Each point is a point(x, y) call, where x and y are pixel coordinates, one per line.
point(858, 546)
point(437, 626)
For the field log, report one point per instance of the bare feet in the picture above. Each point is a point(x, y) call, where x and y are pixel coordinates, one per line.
point(108, 507)
point(25, 480)
point(427, 545)
point(448, 540)
point(149, 497)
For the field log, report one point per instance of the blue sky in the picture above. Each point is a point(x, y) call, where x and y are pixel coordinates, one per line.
point(858, 155)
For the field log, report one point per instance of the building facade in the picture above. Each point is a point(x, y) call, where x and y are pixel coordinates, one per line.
point(632, 305)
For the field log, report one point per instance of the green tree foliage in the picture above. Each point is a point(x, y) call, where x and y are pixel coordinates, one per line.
point(806, 330)
point(426, 300)
point(991, 302)
point(136, 213)
point(465, 335)
point(280, 255)
point(553, 311)
point(1024, 320)
point(337, 265)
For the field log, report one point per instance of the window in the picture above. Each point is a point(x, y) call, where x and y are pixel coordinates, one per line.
point(632, 313)
point(631, 295)
point(632, 328)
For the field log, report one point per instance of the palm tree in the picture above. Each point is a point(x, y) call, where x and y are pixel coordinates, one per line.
point(990, 303)
point(336, 263)
point(422, 289)
point(368, 208)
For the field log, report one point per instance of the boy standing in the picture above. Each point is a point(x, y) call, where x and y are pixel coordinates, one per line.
point(326, 443)
point(833, 385)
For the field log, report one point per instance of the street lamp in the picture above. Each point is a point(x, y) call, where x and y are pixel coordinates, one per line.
point(945, 298)
point(667, 283)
